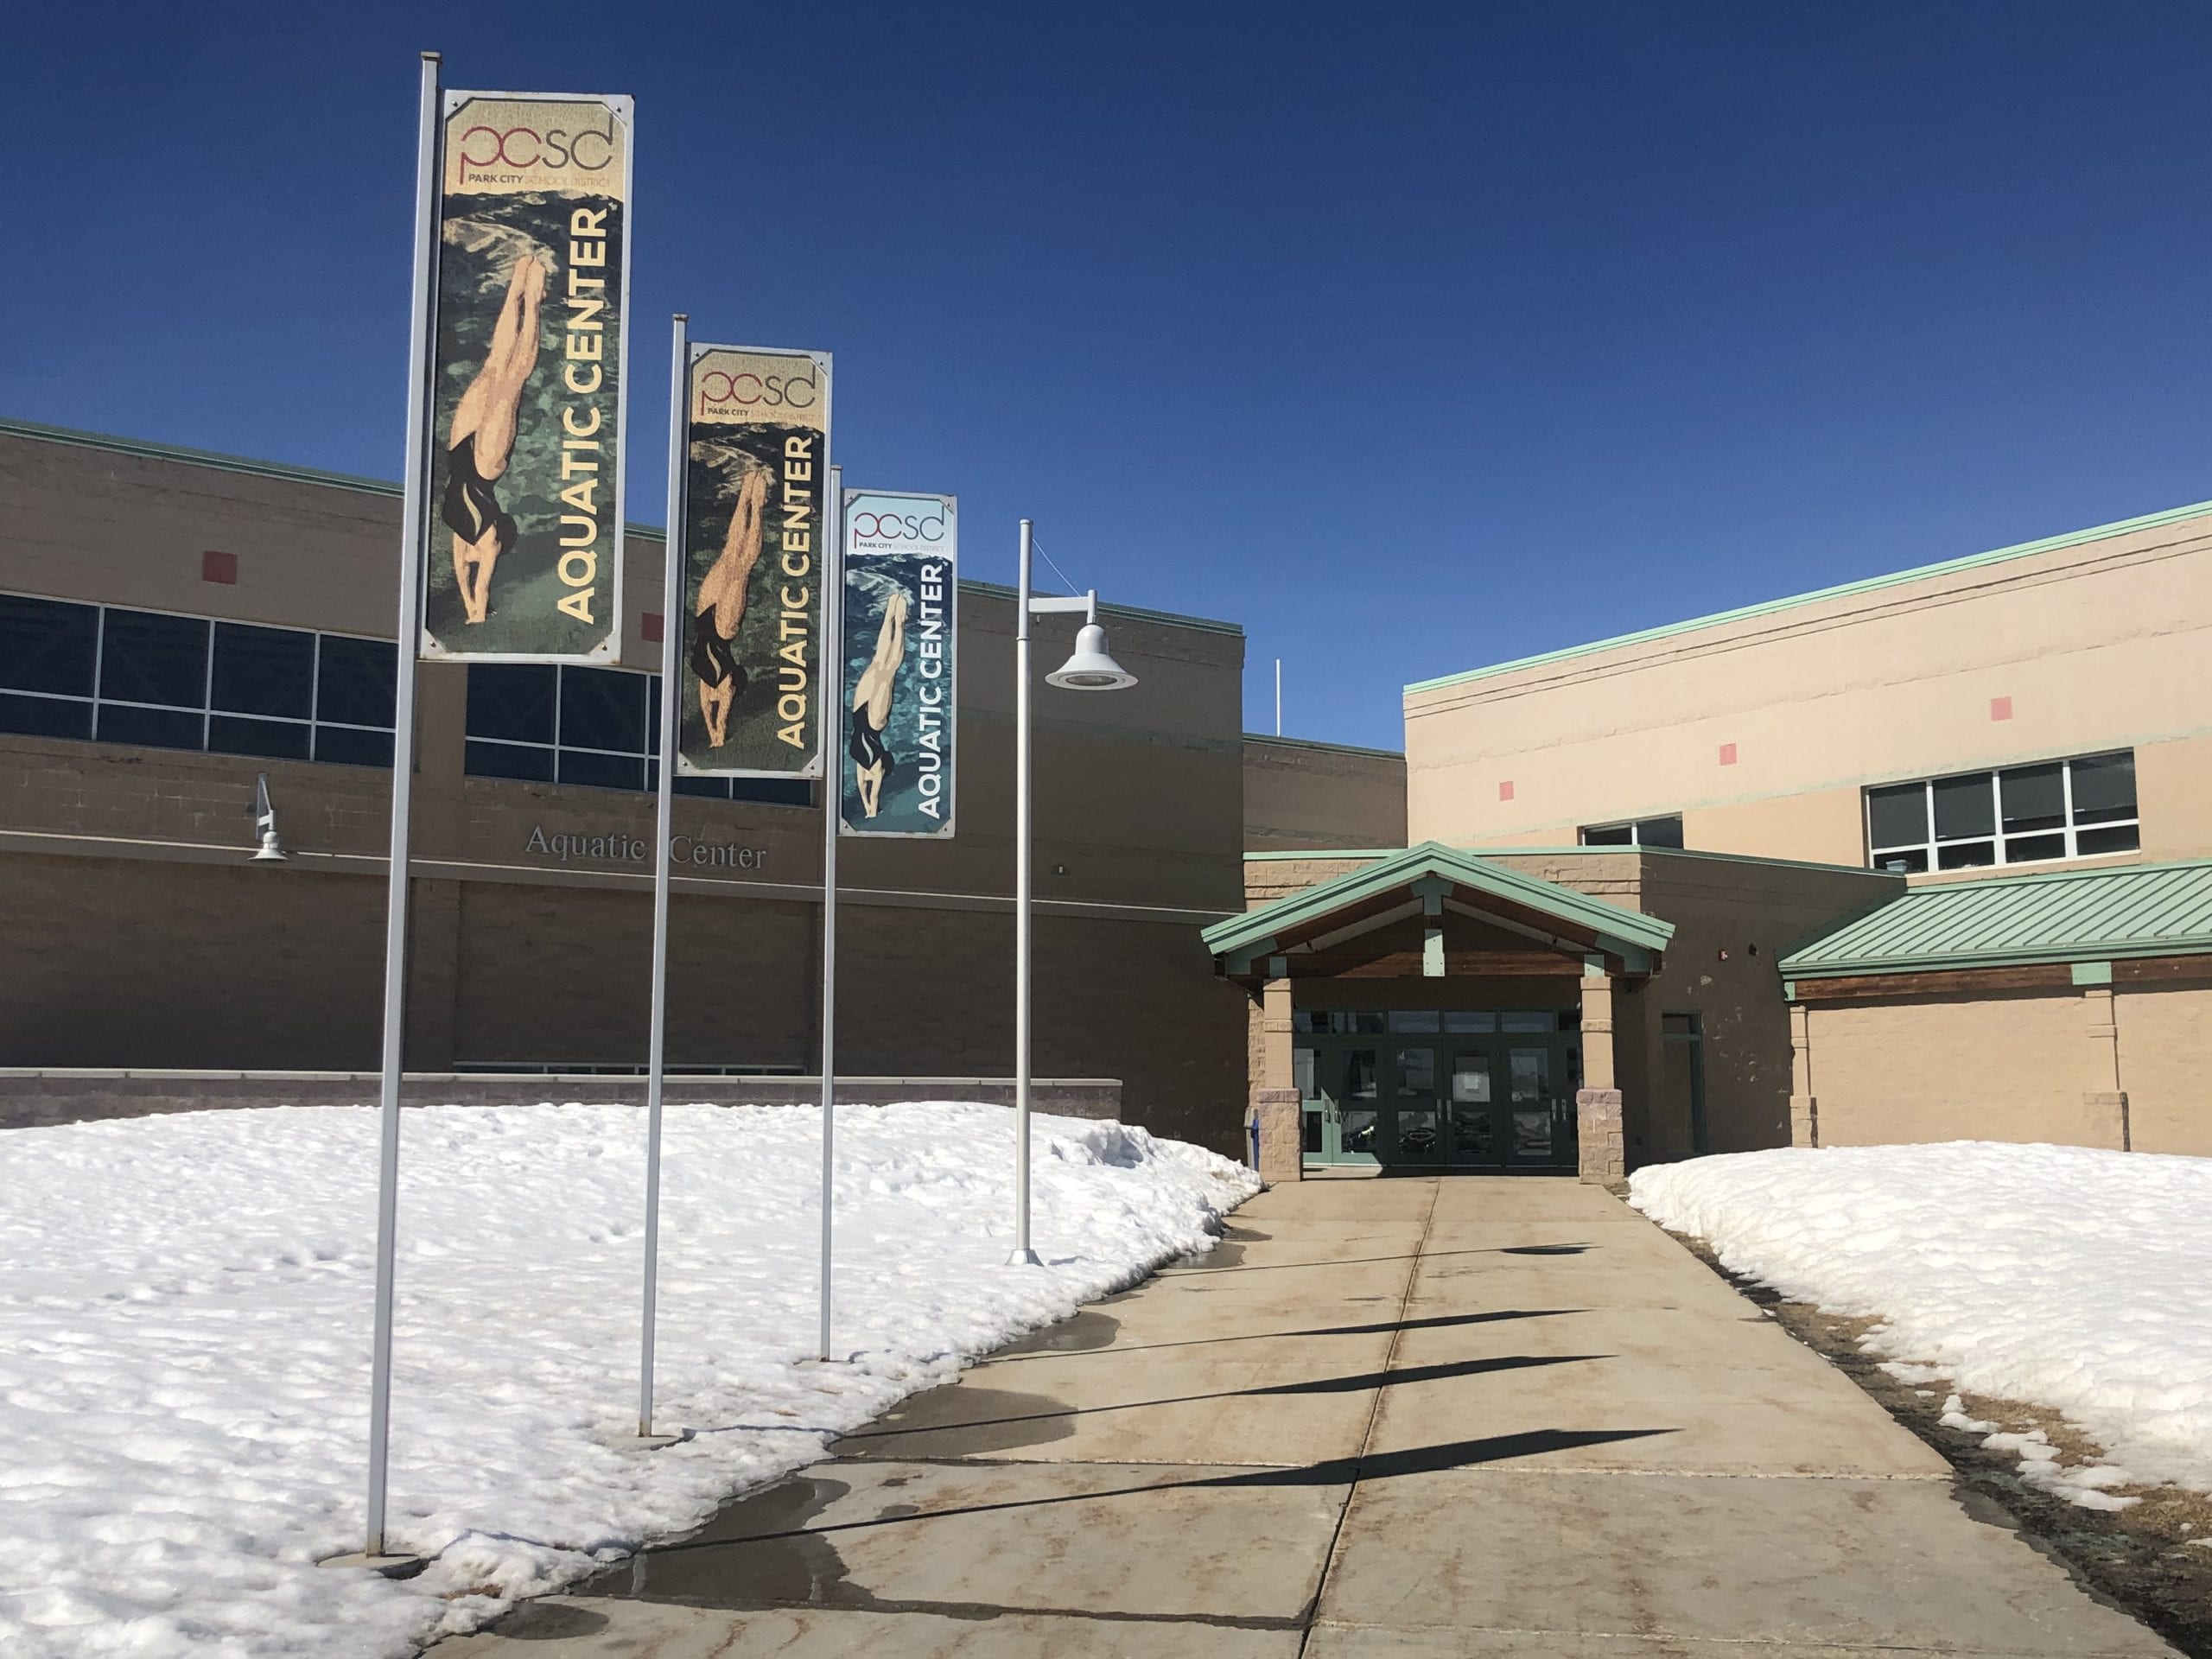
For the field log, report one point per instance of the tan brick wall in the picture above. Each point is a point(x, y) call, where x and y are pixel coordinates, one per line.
point(2165, 1067)
point(139, 936)
point(1991, 1067)
point(1322, 796)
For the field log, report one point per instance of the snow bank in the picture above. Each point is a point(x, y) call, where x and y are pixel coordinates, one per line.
point(2063, 1276)
point(185, 1308)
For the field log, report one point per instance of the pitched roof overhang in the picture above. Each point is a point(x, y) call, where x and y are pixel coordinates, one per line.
point(1428, 879)
point(2109, 913)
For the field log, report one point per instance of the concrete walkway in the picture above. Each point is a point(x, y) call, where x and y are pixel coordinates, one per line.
point(1404, 1418)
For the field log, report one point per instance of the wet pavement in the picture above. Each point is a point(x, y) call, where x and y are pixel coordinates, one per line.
point(1407, 1417)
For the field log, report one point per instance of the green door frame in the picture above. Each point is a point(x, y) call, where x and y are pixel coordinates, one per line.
point(1325, 1104)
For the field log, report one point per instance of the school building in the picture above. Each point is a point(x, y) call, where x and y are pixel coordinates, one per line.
point(1919, 858)
point(1924, 857)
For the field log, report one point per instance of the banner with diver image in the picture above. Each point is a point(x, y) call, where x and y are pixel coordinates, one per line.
point(756, 447)
point(902, 601)
point(524, 550)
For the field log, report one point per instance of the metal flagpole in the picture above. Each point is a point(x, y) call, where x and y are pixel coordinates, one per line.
point(831, 662)
point(1278, 696)
point(403, 780)
point(1023, 1255)
point(671, 629)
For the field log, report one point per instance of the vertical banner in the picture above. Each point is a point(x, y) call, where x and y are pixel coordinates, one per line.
point(524, 556)
point(902, 601)
point(757, 452)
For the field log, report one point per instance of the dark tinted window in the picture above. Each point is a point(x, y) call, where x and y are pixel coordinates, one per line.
point(602, 771)
point(508, 760)
point(2104, 788)
point(1898, 816)
point(44, 716)
point(511, 701)
point(773, 792)
point(355, 682)
point(48, 645)
point(1963, 806)
point(1659, 832)
point(278, 739)
point(160, 728)
point(2033, 797)
point(347, 748)
point(602, 708)
point(150, 659)
point(1610, 835)
point(263, 671)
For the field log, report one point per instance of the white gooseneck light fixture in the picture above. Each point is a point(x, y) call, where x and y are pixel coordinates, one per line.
point(1089, 669)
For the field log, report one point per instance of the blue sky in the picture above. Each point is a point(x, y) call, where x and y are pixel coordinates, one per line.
point(1412, 337)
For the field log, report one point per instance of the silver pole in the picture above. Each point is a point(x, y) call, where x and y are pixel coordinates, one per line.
point(1023, 1255)
point(671, 630)
point(832, 660)
point(1278, 696)
point(411, 525)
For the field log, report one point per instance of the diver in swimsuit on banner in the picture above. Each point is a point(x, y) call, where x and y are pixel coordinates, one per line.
point(872, 706)
point(482, 439)
point(720, 610)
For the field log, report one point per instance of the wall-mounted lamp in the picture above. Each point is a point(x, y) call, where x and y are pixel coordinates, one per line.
point(264, 825)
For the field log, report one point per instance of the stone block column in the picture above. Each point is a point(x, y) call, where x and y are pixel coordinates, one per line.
point(1275, 1109)
point(2104, 1105)
point(1804, 1108)
point(1604, 1150)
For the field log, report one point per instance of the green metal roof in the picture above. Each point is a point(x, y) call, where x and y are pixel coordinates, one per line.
point(1867, 585)
point(1625, 932)
point(2100, 915)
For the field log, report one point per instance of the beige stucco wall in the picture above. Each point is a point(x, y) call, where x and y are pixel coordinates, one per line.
point(2099, 644)
point(2165, 1066)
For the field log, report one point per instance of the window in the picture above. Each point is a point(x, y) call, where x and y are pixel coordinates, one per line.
point(558, 723)
point(1643, 832)
point(172, 681)
point(2016, 815)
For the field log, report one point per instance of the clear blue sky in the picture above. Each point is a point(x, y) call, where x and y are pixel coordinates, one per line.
point(1412, 337)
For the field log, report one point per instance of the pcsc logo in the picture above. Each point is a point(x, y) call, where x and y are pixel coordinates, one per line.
point(519, 150)
point(924, 526)
point(746, 390)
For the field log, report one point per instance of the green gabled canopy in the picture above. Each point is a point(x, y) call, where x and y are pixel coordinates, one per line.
point(2100, 915)
point(1571, 919)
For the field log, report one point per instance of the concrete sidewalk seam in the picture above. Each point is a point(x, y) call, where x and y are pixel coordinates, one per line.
point(1374, 1416)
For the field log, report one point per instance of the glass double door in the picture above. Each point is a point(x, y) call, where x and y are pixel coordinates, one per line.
point(1502, 1102)
point(1484, 1104)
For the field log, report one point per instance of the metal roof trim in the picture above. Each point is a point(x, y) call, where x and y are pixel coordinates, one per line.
point(1463, 869)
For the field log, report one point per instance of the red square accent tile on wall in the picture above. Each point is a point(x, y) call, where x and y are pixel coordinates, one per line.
point(220, 567)
point(1505, 791)
point(648, 624)
point(1727, 754)
point(2001, 707)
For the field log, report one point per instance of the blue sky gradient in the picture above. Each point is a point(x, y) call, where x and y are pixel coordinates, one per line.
point(1412, 337)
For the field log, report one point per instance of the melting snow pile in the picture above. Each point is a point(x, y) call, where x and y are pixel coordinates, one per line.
point(2069, 1278)
point(185, 1312)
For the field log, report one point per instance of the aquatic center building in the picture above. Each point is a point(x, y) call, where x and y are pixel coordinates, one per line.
point(1924, 857)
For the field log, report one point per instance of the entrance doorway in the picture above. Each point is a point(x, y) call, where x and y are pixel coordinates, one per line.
point(1424, 1088)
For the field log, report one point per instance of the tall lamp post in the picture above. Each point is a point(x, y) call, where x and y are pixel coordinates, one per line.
point(1089, 669)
